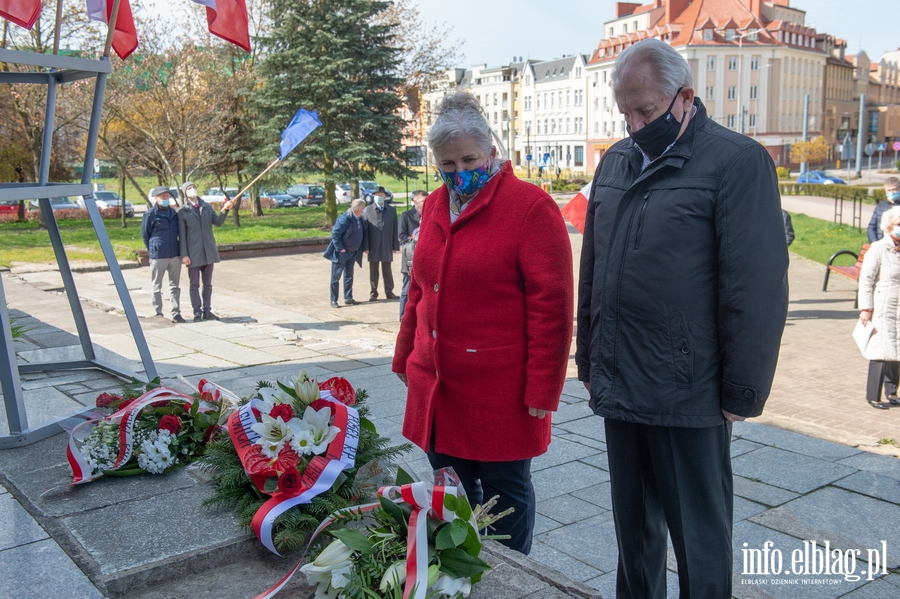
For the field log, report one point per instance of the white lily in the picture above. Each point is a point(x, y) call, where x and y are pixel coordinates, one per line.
point(273, 432)
point(452, 587)
point(330, 571)
point(316, 424)
point(272, 397)
point(306, 388)
point(334, 554)
point(394, 576)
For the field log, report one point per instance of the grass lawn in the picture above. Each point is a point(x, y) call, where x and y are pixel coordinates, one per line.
point(818, 239)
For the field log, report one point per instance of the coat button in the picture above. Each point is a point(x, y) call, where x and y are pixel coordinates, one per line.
point(434, 334)
point(685, 349)
point(435, 287)
point(748, 394)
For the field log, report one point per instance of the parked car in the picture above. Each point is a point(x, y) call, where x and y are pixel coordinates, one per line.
point(215, 194)
point(819, 178)
point(342, 193)
point(63, 203)
point(307, 194)
point(9, 206)
point(367, 191)
point(108, 199)
point(281, 199)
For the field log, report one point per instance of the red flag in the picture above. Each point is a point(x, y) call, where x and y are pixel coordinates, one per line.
point(576, 210)
point(21, 12)
point(125, 39)
point(228, 19)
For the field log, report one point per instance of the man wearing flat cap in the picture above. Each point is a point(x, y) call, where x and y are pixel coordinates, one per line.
point(160, 232)
point(198, 246)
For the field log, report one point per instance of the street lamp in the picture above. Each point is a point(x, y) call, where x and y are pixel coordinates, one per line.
point(740, 76)
point(528, 146)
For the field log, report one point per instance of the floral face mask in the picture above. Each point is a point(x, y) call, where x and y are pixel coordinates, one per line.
point(466, 183)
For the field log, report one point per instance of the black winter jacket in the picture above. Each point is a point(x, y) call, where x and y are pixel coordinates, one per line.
point(682, 296)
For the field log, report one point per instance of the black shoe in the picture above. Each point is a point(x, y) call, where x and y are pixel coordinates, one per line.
point(893, 399)
point(210, 316)
point(352, 302)
point(335, 305)
point(879, 404)
point(198, 317)
point(392, 296)
point(177, 319)
point(373, 297)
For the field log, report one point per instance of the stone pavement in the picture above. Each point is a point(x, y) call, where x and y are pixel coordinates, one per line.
point(809, 469)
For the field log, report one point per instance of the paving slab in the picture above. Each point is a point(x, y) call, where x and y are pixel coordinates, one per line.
point(17, 527)
point(590, 427)
point(873, 485)
point(41, 570)
point(789, 470)
point(741, 446)
point(791, 441)
point(565, 563)
point(884, 465)
point(565, 478)
point(597, 494)
point(877, 589)
point(561, 451)
point(568, 509)
point(592, 541)
point(761, 492)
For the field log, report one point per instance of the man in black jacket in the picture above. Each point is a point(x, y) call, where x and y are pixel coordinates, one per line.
point(681, 306)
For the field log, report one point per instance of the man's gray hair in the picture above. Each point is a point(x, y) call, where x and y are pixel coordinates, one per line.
point(892, 181)
point(459, 115)
point(672, 70)
point(357, 204)
point(890, 219)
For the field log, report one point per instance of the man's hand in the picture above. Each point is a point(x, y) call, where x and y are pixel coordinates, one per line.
point(732, 417)
point(342, 251)
point(185, 260)
point(402, 377)
point(227, 205)
point(537, 413)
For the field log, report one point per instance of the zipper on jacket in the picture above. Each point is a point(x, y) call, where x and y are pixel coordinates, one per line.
point(640, 225)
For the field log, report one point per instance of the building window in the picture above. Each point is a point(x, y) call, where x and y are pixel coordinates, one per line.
point(753, 92)
point(568, 125)
point(578, 72)
point(754, 63)
point(634, 26)
point(710, 63)
point(753, 120)
point(729, 35)
point(612, 32)
point(579, 155)
point(732, 92)
point(731, 120)
point(707, 35)
point(710, 93)
point(751, 36)
point(732, 63)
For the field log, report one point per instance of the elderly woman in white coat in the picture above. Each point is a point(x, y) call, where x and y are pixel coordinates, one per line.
point(879, 301)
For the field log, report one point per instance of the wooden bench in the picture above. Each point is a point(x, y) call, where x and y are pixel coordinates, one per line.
point(848, 271)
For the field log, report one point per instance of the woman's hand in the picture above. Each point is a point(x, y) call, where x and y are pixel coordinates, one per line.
point(402, 377)
point(865, 316)
point(537, 413)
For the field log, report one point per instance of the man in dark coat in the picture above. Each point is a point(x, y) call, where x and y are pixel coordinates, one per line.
point(382, 241)
point(348, 240)
point(198, 246)
point(409, 232)
point(892, 193)
point(160, 232)
point(682, 301)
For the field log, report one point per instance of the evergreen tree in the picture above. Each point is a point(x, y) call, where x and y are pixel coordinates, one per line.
point(333, 56)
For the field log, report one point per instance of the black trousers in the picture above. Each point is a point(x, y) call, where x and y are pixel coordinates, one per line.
point(511, 481)
point(677, 479)
point(882, 374)
point(388, 277)
point(195, 275)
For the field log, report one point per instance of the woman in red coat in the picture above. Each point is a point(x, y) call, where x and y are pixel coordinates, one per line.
point(485, 338)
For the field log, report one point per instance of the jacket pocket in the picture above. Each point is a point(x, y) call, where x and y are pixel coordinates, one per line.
point(682, 350)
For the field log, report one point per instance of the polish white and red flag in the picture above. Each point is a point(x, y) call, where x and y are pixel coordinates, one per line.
point(576, 210)
point(21, 12)
point(228, 19)
point(125, 38)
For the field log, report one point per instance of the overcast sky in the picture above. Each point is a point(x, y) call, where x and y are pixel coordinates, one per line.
point(493, 31)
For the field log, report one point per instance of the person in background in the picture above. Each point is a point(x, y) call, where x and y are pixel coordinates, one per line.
point(892, 193)
point(788, 227)
point(484, 341)
point(198, 247)
point(348, 239)
point(381, 242)
point(409, 232)
point(682, 301)
point(879, 290)
point(160, 232)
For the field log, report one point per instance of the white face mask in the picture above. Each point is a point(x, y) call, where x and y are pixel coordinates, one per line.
point(191, 193)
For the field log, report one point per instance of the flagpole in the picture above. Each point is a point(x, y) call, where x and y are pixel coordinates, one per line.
point(56, 34)
point(111, 30)
point(258, 177)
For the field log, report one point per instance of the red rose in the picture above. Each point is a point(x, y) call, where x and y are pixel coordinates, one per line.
point(289, 483)
point(104, 400)
point(341, 389)
point(186, 407)
point(322, 404)
point(124, 404)
point(211, 432)
point(285, 411)
point(170, 423)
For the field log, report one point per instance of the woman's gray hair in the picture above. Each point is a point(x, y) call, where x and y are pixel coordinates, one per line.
point(458, 115)
point(890, 219)
point(672, 70)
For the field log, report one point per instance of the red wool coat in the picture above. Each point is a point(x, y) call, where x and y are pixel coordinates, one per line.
point(488, 326)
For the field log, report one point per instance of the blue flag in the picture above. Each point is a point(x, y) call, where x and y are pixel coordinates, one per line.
point(303, 123)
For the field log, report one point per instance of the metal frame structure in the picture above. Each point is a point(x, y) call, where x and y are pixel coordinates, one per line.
point(52, 70)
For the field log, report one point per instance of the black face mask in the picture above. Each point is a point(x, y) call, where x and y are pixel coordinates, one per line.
point(659, 134)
